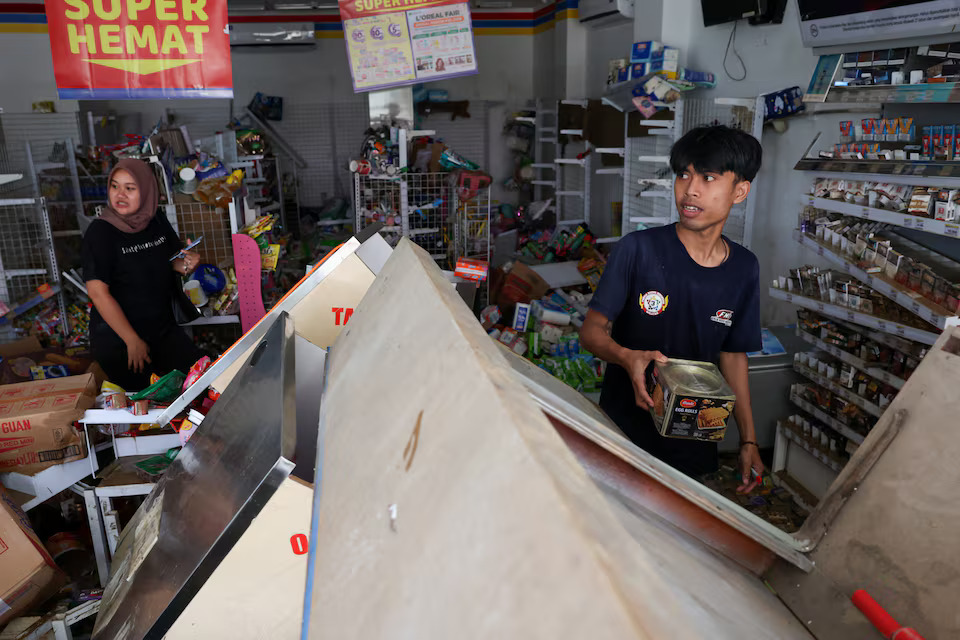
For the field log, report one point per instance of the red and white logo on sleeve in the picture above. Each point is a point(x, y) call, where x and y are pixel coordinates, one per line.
point(724, 317)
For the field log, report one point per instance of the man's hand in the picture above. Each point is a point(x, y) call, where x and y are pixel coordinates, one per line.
point(636, 363)
point(749, 462)
point(137, 354)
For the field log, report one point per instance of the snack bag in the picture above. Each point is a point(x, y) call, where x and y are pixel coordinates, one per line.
point(196, 371)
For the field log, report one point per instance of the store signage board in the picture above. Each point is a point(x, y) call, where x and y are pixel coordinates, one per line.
point(825, 23)
point(208, 498)
point(392, 43)
point(140, 49)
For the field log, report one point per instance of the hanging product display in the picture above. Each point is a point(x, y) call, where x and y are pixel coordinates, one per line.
point(414, 41)
point(140, 50)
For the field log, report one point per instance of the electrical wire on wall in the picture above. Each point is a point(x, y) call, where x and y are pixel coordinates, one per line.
point(732, 41)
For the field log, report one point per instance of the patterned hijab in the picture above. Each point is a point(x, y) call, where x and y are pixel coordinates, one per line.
point(149, 197)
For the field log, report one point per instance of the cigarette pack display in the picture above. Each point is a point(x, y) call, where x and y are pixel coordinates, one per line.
point(891, 129)
point(927, 142)
point(908, 130)
point(949, 135)
point(867, 127)
point(846, 130)
point(937, 138)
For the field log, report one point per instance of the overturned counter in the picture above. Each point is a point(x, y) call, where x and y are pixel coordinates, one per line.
point(448, 505)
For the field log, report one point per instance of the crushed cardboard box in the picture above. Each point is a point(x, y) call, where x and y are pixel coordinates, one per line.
point(28, 575)
point(36, 422)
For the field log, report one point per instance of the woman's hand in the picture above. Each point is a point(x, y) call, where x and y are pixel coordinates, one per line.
point(137, 354)
point(187, 262)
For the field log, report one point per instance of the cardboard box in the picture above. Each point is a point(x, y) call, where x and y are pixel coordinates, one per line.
point(18, 358)
point(36, 422)
point(522, 284)
point(28, 575)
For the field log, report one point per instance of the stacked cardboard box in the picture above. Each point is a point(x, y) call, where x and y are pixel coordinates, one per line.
point(28, 575)
point(37, 422)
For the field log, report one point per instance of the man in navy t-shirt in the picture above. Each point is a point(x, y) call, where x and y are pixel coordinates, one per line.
point(684, 291)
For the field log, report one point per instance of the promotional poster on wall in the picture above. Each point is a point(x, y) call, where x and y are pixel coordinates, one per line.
point(404, 42)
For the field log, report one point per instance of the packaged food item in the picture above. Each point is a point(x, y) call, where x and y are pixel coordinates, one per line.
point(196, 370)
point(690, 400)
point(115, 401)
point(141, 407)
point(270, 258)
point(44, 371)
point(471, 269)
point(165, 389)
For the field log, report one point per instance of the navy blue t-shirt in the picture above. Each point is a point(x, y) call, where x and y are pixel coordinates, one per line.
point(660, 299)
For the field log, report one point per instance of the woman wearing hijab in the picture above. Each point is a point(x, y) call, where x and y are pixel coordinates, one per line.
point(126, 265)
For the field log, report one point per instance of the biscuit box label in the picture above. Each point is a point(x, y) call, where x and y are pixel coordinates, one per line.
point(699, 419)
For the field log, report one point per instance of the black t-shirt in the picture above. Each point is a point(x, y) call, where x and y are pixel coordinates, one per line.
point(136, 267)
point(660, 299)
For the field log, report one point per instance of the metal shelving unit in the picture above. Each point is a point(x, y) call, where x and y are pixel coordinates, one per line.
point(544, 138)
point(896, 292)
point(827, 419)
point(419, 206)
point(791, 434)
point(839, 390)
point(572, 175)
point(64, 188)
point(903, 172)
point(648, 180)
point(27, 259)
point(851, 359)
point(905, 220)
point(856, 317)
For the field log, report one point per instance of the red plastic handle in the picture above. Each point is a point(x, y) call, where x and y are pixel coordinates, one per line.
point(883, 621)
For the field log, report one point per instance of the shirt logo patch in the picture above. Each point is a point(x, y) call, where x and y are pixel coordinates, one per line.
point(724, 317)
point(654, 303)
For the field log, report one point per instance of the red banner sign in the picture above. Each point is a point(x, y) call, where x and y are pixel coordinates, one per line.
point(114, 49)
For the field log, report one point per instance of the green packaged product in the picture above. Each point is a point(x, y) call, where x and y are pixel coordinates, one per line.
point(533, 343)
point(166, 389)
